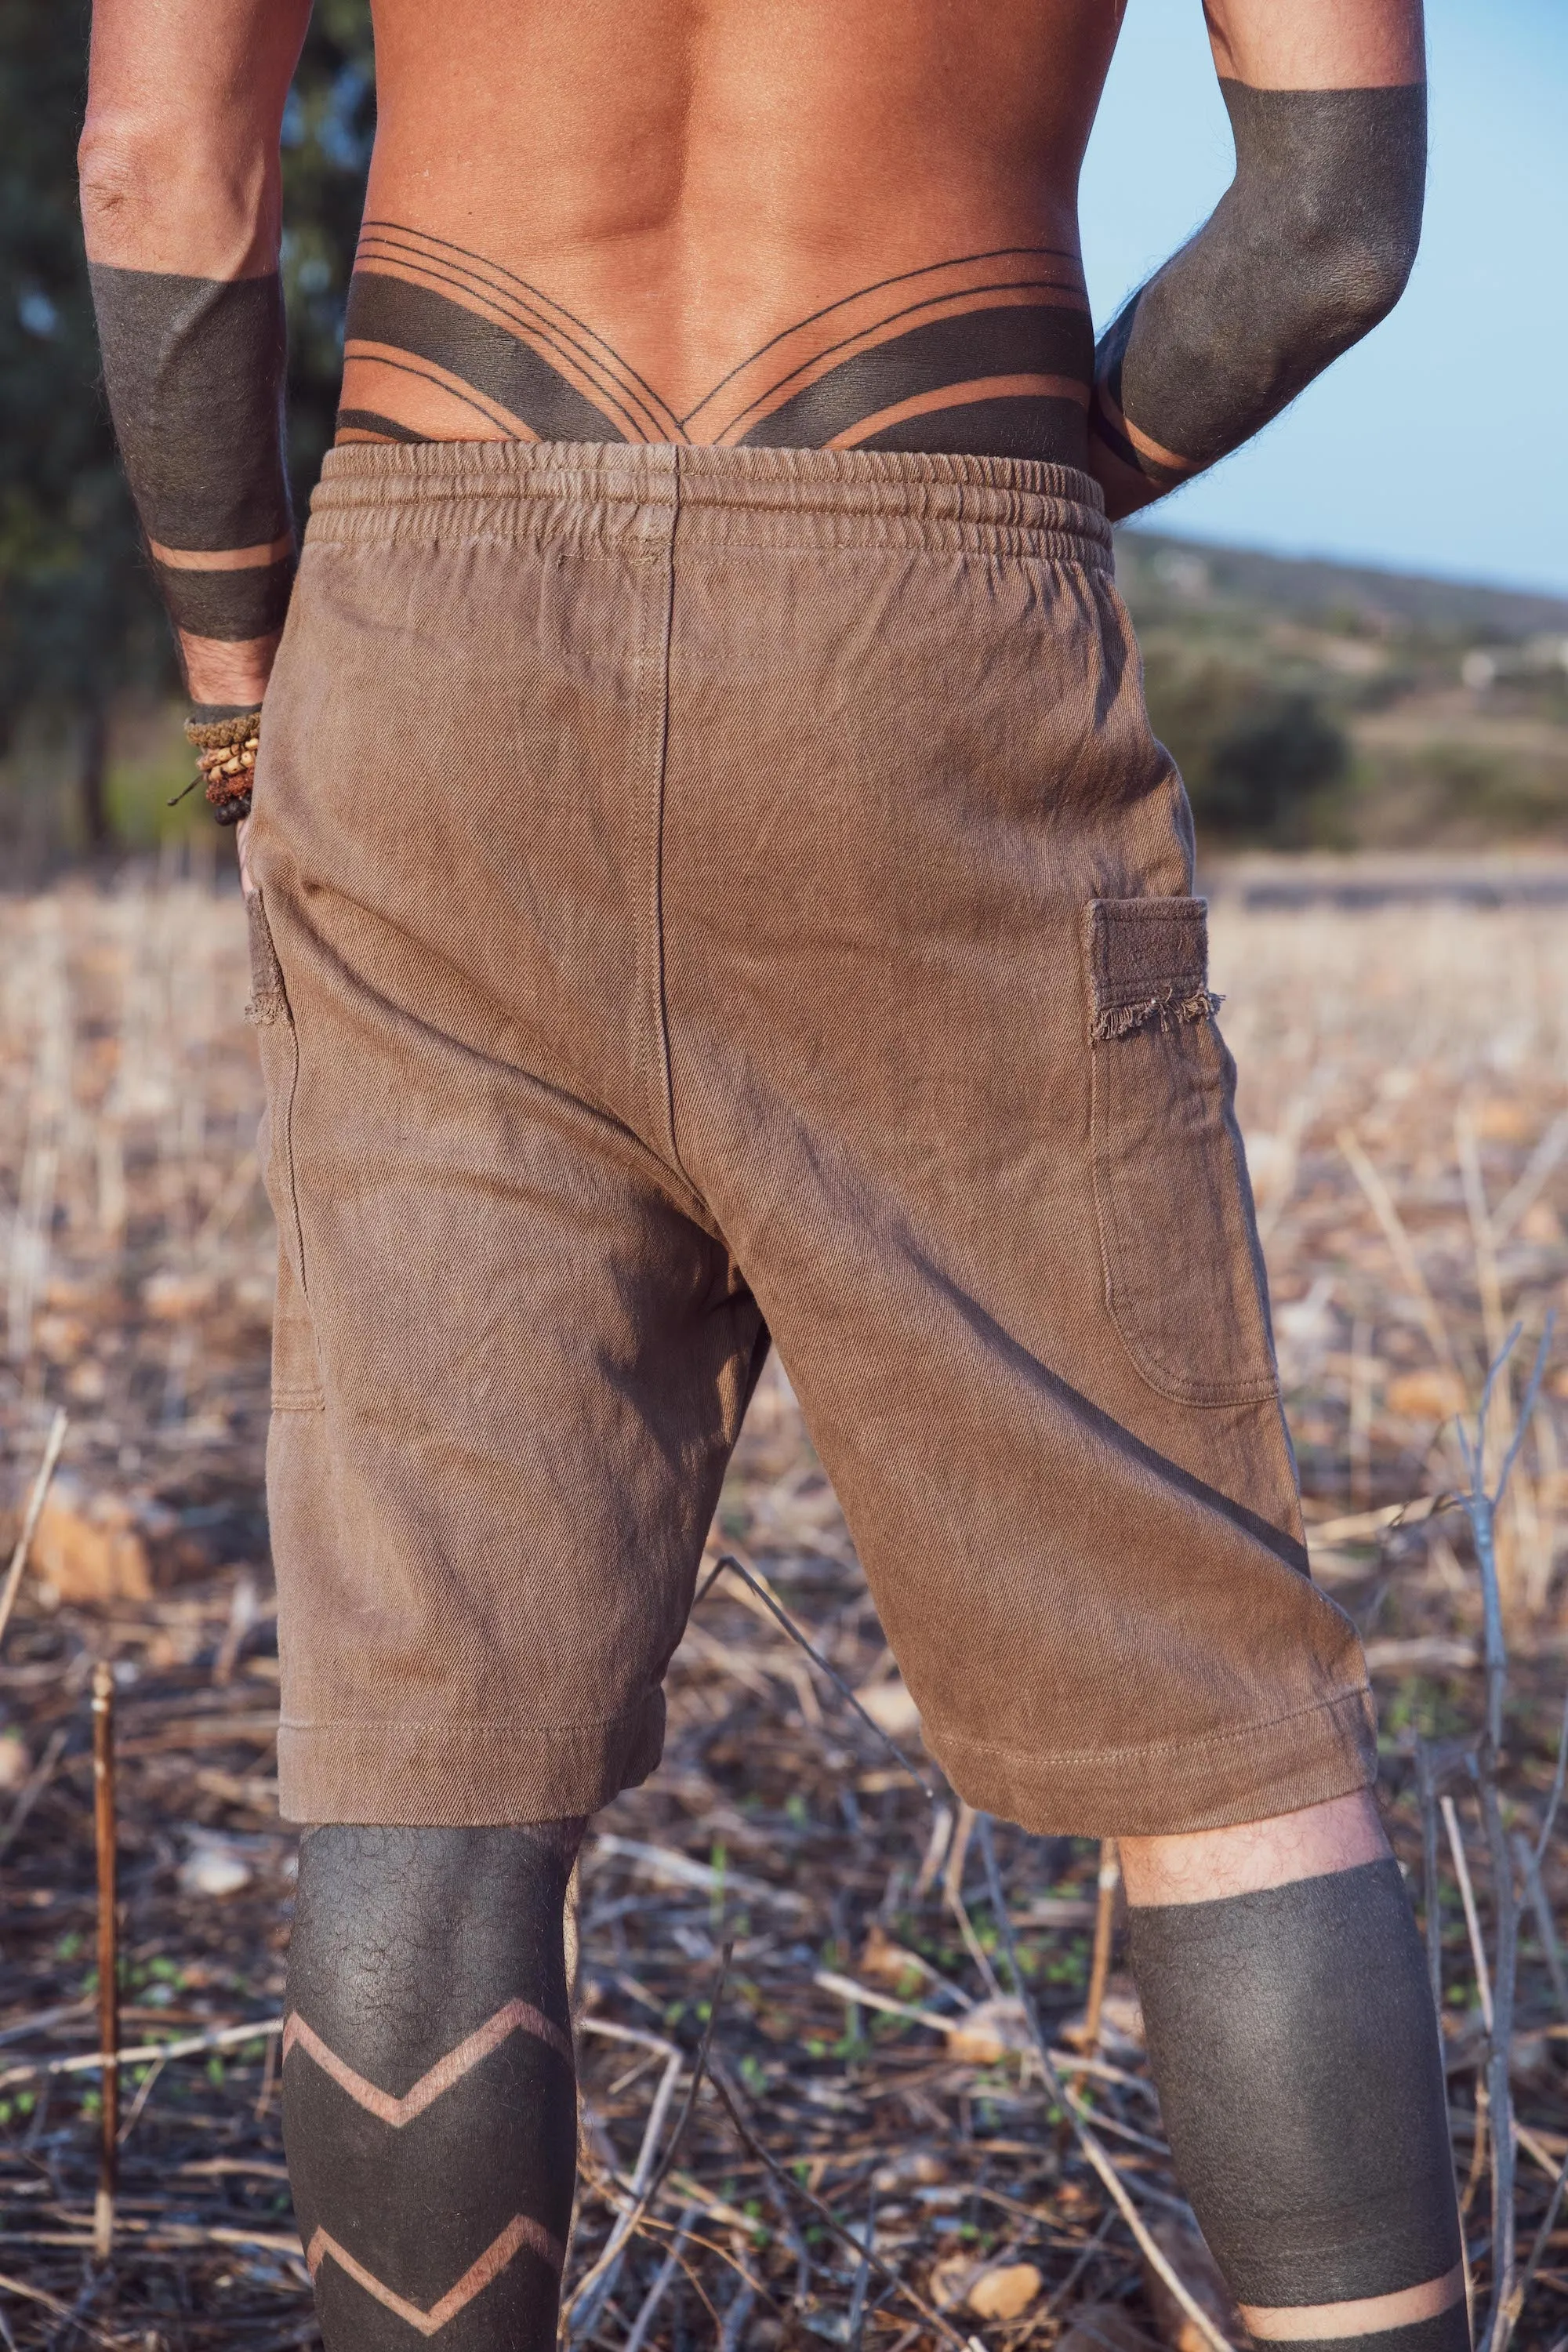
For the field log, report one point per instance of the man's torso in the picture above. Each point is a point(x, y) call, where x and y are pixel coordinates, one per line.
point(798, 224)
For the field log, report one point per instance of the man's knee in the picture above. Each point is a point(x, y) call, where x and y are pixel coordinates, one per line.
point(403, 1926)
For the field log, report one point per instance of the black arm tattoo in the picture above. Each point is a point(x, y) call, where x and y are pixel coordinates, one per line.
point(990, 354)
point(195, 369)
point(1309, 246)
point(429, 2098)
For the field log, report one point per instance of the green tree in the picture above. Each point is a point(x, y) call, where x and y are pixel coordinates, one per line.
point(79, 616)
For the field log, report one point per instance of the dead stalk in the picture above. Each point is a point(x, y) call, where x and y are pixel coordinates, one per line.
point(1399, 1243)
point(1056, 2091)
point(145, 2053)
point(1472, 1916)
point(1482, 1506)
point(593, 2289)
point(33, 1513)
point(830, 2220)
point(1545, 1925)
point(108, 1957)
point(1426, 1787)
point(1104, 1936)
point(775, 1609)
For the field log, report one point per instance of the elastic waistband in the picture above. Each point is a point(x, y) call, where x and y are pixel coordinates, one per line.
point(639, 492)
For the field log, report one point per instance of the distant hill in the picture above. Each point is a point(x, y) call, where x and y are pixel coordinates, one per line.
point(1151, 564)
point(1329, 706)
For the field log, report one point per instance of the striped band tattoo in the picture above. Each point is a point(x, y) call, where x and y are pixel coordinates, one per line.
point(194, 368)
point(991, 354)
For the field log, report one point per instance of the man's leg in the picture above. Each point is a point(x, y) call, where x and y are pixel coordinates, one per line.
point(430, 2103)
point(1293, 2036)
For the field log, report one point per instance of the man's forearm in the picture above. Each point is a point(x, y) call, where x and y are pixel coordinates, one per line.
point(182, 257)
point(195, 371)
point(1307, 249)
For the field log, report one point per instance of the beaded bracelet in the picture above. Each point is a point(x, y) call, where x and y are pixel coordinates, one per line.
point(225, 762)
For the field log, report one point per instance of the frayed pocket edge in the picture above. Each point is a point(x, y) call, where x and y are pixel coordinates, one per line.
point(1163, 1009)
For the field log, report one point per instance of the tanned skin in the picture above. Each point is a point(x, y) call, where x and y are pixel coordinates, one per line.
point(847, 222)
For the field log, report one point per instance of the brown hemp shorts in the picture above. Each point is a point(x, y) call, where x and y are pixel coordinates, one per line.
point(710, 893)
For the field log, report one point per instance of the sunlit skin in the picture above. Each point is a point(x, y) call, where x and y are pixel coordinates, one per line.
point(760, 162)
point(693, 177)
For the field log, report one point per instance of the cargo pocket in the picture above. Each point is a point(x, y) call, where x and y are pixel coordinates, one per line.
point(1183, 1272)
point(296, 1368)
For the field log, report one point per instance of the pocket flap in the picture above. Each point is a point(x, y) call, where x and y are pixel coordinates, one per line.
point(1148, 960)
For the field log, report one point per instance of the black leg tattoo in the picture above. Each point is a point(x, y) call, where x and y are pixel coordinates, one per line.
point(1301, 2075)
point(429, 2100)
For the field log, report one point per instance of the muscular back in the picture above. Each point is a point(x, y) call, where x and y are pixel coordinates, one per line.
point(844, 223)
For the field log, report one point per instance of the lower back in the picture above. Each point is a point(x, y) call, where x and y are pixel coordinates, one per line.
point(819, 223)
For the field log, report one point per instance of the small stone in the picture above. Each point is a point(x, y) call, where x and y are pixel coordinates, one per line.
point(91, 1549)
point(214, 1868)
point(178, 1298)
point(951, 2280)
point(919, 2168)
point(1004, 2291)
point(891, 1708)
point(1432, 1394)
point(14, 1761)
point(988, 2032)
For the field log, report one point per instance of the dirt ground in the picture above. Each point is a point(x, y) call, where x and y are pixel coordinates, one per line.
point(871, 2157)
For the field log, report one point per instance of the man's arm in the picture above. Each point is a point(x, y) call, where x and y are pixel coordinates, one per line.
point(181, 204)
point(1309, 246)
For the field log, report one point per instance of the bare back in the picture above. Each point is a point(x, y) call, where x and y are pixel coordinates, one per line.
point(823, 222)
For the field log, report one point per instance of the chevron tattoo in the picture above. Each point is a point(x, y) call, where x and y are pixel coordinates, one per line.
point(519, 2232)
point(429, 2099)
point(989, 354)
point(515, 2017)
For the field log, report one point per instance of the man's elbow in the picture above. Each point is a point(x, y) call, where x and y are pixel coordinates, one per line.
point(155, 197)
point(1359, 255)
point(117, 180)
point(1329, 264)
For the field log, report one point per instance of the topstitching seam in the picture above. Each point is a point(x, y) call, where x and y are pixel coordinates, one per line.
point(1205, 1740)
point(664, 1074)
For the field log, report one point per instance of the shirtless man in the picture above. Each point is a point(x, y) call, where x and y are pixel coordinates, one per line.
point(711, 875)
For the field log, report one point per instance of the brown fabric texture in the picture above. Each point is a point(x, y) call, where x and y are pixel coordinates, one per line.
point(708, 893)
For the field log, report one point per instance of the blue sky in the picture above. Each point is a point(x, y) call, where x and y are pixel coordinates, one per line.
point(1441, 443)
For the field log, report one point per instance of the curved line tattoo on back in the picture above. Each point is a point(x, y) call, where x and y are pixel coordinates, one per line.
point(990, 355)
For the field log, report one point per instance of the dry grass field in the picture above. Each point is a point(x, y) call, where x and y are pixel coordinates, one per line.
point(866, 2151)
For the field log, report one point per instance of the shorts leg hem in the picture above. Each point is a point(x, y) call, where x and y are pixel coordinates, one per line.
point(1249, 1774)
point(435, 1775)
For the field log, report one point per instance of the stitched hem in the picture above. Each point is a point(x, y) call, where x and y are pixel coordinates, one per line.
point(1248, 1772)
point(403, 1775)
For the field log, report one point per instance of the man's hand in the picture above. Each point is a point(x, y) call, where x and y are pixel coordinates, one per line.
point(1307, 249)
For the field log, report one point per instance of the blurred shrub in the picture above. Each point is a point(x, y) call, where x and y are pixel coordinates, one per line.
point(1263, 762)
point(1467, 794)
